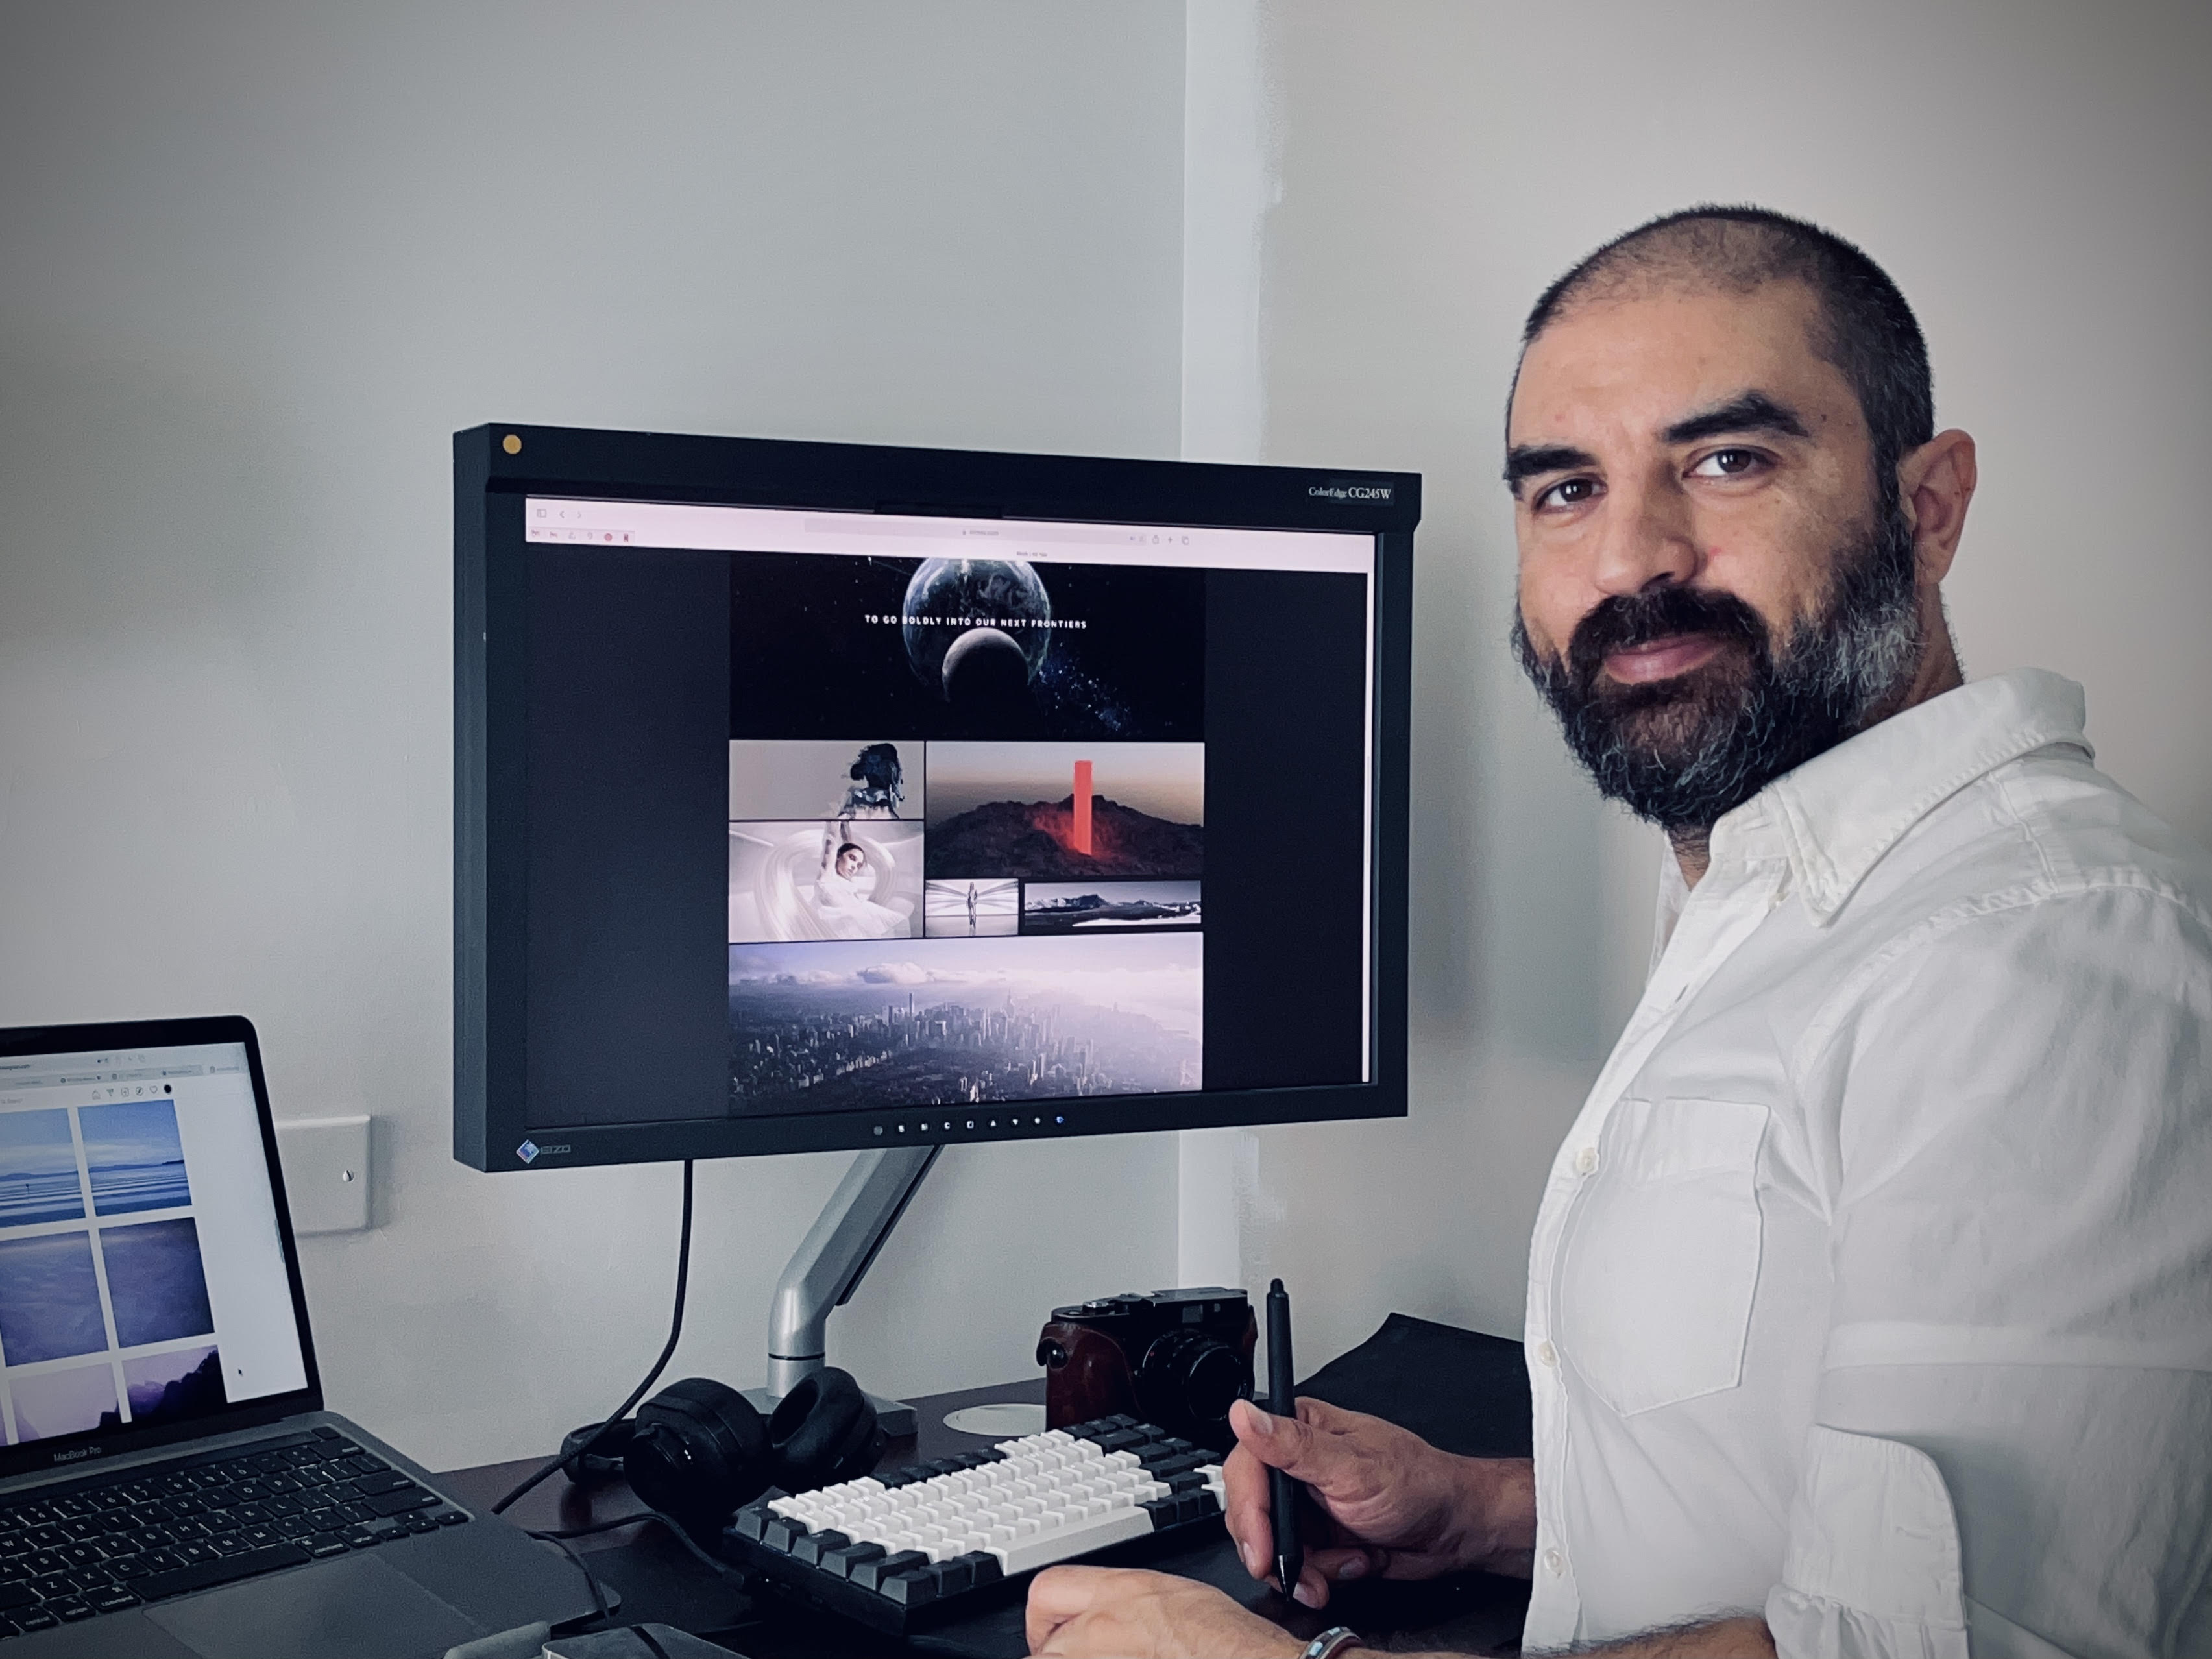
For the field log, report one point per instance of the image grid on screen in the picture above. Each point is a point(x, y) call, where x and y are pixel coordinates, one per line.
point(1006, 724)
point(105, 1317)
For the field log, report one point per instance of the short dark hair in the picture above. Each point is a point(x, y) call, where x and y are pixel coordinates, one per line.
point(850, 846)
point(1866, 329)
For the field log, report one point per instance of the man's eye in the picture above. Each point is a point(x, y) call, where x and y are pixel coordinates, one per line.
point(1728, 463)
point(1568, 492)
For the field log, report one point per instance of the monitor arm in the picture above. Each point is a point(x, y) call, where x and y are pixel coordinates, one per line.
point(828, 1265)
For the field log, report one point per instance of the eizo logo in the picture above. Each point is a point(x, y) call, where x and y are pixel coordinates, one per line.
point(530, 1152)
point(1350, 490)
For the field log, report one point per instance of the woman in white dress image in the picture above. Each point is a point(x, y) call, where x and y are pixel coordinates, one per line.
point(840, 899)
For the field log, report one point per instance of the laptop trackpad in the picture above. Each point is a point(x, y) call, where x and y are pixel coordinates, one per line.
point(354, 1607)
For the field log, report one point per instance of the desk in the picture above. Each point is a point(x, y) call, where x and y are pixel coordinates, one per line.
point(657, 1579)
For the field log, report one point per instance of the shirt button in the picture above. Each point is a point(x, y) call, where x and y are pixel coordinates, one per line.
point(1547, 1355)
point(1586, 1160)
point(1554, 1562)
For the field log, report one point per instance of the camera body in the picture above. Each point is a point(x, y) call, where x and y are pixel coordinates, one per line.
point(1174, 1358)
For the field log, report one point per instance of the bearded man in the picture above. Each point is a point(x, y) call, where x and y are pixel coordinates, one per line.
point(1870, 1297)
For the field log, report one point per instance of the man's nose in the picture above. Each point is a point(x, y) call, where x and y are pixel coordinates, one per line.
point(1645, 542)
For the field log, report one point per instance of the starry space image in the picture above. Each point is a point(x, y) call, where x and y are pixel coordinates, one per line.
point(978, 648)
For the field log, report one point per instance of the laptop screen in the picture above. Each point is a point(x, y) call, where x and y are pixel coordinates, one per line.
point(145, 1282)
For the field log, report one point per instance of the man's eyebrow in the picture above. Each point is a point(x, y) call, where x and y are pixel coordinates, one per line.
point(1526, 460)
point(1753, 411)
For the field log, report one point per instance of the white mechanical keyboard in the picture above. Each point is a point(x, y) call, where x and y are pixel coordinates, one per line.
point(934, 1533)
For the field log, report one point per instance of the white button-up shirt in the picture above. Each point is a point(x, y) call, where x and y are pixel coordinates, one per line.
point(1872, 1289)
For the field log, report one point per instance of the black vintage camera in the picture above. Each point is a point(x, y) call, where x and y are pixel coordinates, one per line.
point(1174, 1358)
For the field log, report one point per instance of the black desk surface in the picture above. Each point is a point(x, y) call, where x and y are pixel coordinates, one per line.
point(1466, 1392)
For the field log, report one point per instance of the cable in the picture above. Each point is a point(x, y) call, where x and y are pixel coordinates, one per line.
point(675, 1330)
point(676, 1527)
point(601, 1611)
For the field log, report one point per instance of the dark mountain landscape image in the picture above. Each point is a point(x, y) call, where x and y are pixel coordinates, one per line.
point(1065, 812)
point(1035, 840)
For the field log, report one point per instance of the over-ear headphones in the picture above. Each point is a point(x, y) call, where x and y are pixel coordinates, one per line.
point(699, 1448)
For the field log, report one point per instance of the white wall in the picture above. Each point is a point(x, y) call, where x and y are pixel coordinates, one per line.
point(258, 262)
point(2035, 178)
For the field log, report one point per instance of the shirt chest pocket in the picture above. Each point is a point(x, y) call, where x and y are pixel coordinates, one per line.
point(1661, 1254)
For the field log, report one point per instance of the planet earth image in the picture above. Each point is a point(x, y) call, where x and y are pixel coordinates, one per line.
point(975, 629)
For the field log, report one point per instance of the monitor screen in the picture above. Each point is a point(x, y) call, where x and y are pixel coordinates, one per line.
point(845, 826)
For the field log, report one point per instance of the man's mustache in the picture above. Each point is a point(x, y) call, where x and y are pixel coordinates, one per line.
point(1624, 620)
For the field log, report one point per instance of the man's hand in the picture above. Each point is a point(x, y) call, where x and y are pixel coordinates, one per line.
point(1395, 1506)
point(1119, 1613)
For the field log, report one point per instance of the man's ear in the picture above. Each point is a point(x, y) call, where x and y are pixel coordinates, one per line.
point(1934, 485)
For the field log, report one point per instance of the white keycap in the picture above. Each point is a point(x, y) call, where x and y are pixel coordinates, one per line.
point(1122, 1460)
point(1076, 1538)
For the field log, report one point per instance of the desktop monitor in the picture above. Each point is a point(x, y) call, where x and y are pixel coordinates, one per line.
point(811, 796)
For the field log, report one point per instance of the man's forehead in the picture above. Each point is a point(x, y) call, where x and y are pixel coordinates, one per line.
point(1641, 362)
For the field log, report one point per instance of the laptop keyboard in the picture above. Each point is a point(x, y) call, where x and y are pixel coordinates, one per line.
point(158, 1530)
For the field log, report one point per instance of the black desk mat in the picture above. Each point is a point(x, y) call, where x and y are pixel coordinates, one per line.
point(1458, 1390)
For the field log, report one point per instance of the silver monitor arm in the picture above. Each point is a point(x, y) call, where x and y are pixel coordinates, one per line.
point(828, 1267)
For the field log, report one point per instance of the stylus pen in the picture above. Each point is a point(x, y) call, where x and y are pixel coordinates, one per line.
point(1282, 1401)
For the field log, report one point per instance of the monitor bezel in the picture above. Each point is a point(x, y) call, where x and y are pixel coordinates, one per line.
point(89, 1449)
point(496, 466)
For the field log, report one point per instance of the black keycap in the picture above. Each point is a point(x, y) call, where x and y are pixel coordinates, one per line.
point(41, 1620)
point(69, 1612)
point(954, 1576)
point(228, 1544)
point(1179, 1463)
point(356, 1512)
point(1163, 1511)
point(326, 1432)
point(1118, 1440)
point(914, 1588)
point(369, 1485)
point(250, 1515)
point(10, 1627)
point(839, 1563)
point(416, 1523)
point(781, 1533)
point(1151, 1452)
point(1121, 1422)
point(54, 1584)
point(113, 1600)
point(357, 1539)
point(325, 1520)
point(361, 1463)
point(449, 1517)
point(81, 1555)
point(753, 1520)
point(398, 1502)
point(870, 1575)
point(78, 1530)
point(987, 1570)
point(1188, 1480)
point(384, 1531)
point(17, 1595)
point(323, 1548)
point(809, 1549)
point(137, 1566)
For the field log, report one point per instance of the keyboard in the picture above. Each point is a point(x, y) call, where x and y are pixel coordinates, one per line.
point(77, 1549)
point(932, 1541)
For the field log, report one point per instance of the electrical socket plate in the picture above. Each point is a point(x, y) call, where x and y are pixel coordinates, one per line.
point(326, 1172)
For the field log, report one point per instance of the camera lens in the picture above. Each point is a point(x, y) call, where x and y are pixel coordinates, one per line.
point(1186, 1378)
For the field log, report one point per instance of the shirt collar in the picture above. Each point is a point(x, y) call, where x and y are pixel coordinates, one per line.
point(1841, 812)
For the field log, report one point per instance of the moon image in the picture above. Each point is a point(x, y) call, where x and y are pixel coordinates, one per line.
point(984, 665)
point(973, 628)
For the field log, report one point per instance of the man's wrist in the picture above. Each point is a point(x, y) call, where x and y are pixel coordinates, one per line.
point(1497, 1515)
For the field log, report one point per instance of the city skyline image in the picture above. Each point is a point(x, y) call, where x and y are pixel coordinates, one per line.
point(956, 1021)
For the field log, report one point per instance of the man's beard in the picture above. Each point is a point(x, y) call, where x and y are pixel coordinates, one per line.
point(1684, 751)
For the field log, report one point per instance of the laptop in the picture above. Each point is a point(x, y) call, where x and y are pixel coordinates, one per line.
point(170, 1482)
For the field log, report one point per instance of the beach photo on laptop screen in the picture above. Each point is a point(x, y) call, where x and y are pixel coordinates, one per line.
point(38, 1170)
point(135, 1157)
point(961, 1020)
